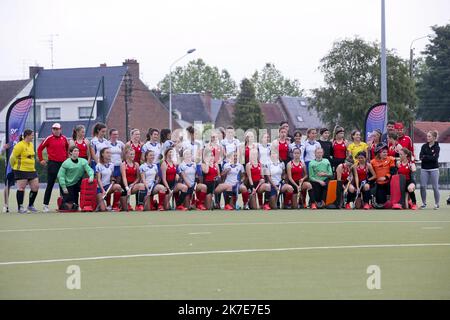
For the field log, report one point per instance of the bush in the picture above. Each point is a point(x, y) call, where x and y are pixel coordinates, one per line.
point(41, 171)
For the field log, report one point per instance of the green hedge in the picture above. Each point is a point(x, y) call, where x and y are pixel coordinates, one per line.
point(42, 172)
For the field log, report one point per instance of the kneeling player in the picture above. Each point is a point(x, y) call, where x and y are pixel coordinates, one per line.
point(232, 184)
point(255, 182)
point(297, 176)
point(344, 173)
point(188, 171)
point(149, 175)
point(275, 175)
point(407, 168)
point(107, 185)
point(364, 178)
point(131, 182)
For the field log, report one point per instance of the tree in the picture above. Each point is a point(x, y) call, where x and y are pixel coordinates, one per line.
point(433, 87)
point(198, 77)
point(352, 77)
point(270, 83)
point(247, 112)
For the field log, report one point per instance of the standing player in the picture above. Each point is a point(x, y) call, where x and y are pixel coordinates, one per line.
point(297, 144)
point(150, 177)
point(404, 140)
point(98, 142)
point(326, 144)
point(79, 140)
point(390, 129)
point(357, 145)
point(297, 177)
point(264, 149)
point(152, 144)
point(311, 145)
point(9, 181)
point(230, 145)
point(407, 168)
point(393, 146)
point(429, 155)
point(281, 146)
point(22, 162)
point(376, 139)
point(136, 144)
point(57, 146)
point(130, 182)
point(116, 148)
point(339, 147)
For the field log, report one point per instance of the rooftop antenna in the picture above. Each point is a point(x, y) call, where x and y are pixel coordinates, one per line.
point(50, 42)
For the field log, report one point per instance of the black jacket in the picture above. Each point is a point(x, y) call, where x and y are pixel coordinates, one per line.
point(429, 156)
point(327, 147)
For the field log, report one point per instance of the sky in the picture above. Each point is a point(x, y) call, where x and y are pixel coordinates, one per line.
point(237, 35)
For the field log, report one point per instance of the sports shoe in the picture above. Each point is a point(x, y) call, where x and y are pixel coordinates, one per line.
point(246, 207)
point(139, 208)
point(45, 209)
point(32, 209)
point(109, 208)
point(413, 206)
point(397, 206)
point(5, 209)
point(181, 208)
point(201, 207)
point(161, 208)
point(423, 206)
point(130, 208)
point(366, 206)
point(313, 206)
point(266, 206)
point(115, 208)
point(436, 207)
point(348, 206)
point(228, 207)
point(22, 210)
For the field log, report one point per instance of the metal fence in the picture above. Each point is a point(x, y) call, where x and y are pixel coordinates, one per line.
point(444, 176)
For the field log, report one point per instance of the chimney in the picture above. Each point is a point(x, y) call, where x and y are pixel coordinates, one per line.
point(207, 99)
point(133, 67)
point(34, 70)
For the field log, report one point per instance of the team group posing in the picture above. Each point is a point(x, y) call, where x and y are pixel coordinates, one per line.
point(166, 172)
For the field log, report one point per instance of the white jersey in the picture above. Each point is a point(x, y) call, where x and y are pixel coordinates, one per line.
point(195, 147)
point(293, 146)
point(276, 172)
point(106, 171)
point(234, 175)
point(150, 171)
point(310, 150)
point(230, 146)
point(116, 152)
point(155, 147)
point(189, 171)
point(99, 145)
point(264, 153)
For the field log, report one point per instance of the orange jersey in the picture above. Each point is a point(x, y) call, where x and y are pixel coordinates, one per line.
point(382, 168)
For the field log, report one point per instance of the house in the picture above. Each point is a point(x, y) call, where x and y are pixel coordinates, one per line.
point(291, 109)
point(421, 129)
point(298, 114)
point(9, 91)
point(87, 95)
point(188, 108)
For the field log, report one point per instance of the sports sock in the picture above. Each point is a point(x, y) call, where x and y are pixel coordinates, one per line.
point(161, 198)
point(140, 197)
point(32, 196)
point(19, 196)
point(245, 197)
point(412, 196)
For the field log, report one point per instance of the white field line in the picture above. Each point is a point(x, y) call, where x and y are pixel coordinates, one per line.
point(431, 228)
point(195, 233)
point(219, 225)
point(146, 255)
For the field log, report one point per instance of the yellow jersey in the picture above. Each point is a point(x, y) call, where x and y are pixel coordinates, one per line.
point(22, 157)
point(355, 149)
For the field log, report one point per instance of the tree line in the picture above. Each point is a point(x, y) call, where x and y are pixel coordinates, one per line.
point(351, 72)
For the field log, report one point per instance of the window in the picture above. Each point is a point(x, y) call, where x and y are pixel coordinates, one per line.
point(299, 118)
point(84, 112)
point(53, 114)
